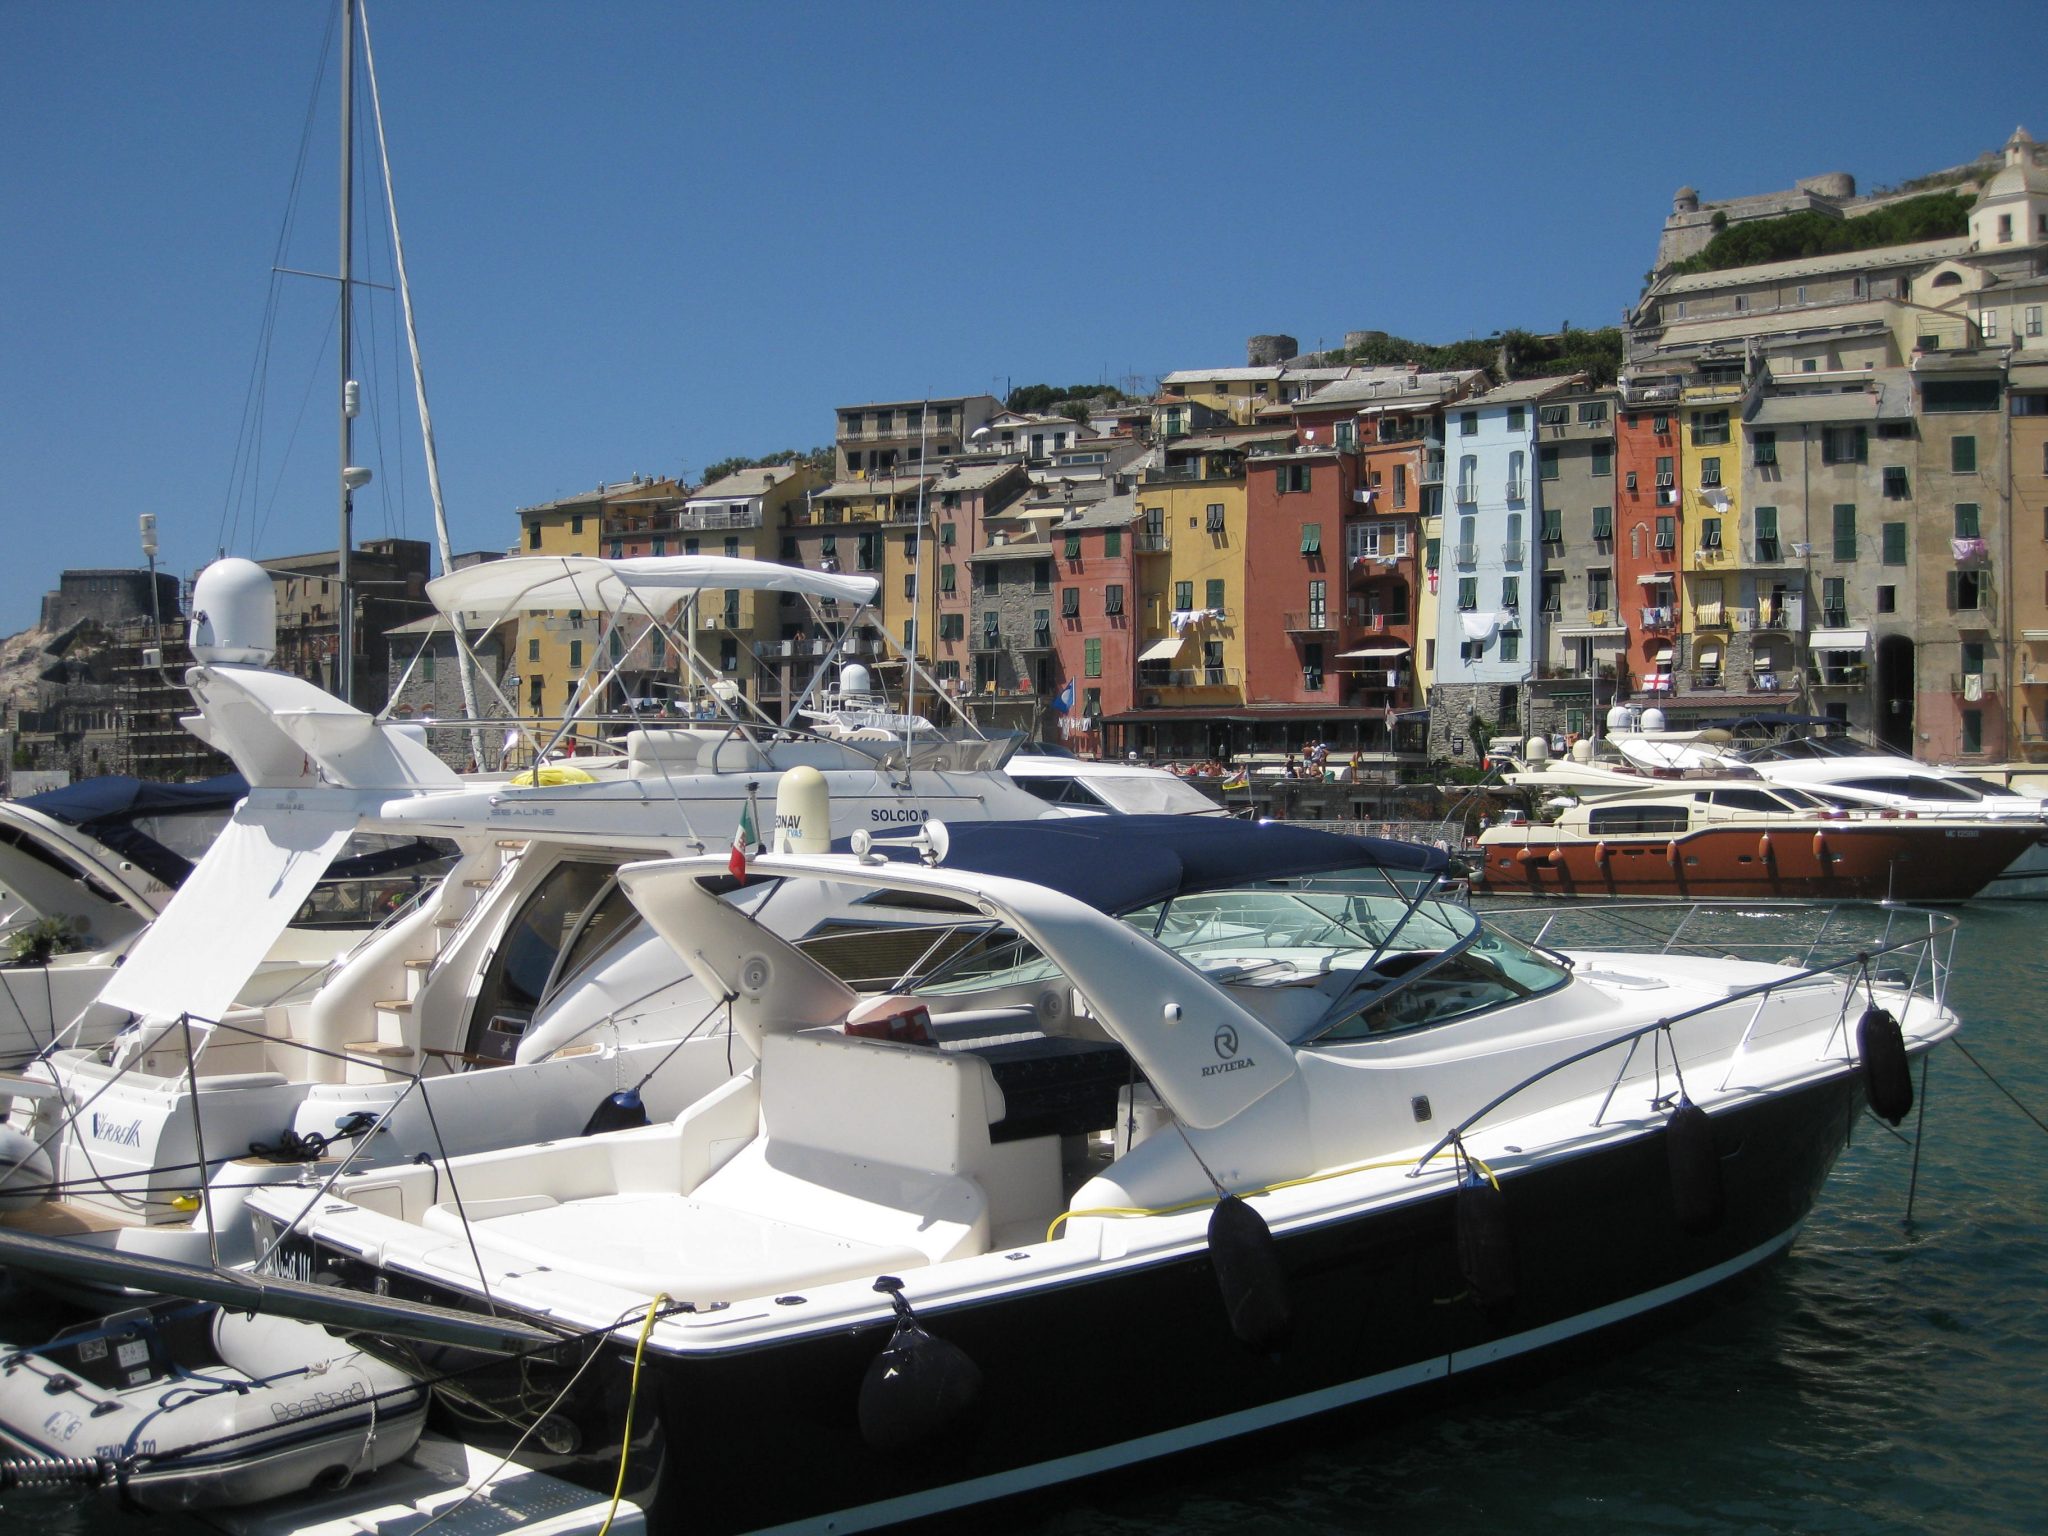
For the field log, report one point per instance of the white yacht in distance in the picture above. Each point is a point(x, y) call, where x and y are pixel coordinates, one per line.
point(1838, 770)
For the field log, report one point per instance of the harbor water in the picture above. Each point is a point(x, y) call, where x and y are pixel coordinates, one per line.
point(1888, 1375)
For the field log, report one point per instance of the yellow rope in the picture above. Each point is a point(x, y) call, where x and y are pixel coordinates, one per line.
point(1264, 1189)
point(632, 1397)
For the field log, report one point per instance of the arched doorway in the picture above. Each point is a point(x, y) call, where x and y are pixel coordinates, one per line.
point(1893, 726)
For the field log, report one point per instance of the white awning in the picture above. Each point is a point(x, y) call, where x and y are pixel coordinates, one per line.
point(1663, 655)
point(1839, 639)
point(1592, 631)
point(549, 583)
point(1374, 650)
point(1656, 578)
point(1163, 650)
point(2034, 634)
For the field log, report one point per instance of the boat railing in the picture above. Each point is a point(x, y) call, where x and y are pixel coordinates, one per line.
point(1866, 935)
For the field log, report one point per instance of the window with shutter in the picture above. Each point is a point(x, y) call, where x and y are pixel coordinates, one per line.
point(1070, 602)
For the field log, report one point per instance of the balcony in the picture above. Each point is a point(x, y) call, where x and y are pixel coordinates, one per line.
point(1465, 554)
point(718, 517)
point(1854, 674)
point(1709, 554)
point(1766, 552)
point(1314, 622)
point(1149, 543)
point(1742, 618)
point(1432, 472)
point(1467, 494)
point(988, 640)
point(1515, 552)
point(1041, 640)
point(1517, 490)
point(1973, 685)
point(1706, 679)
point(1710, 615)
point(1777, 616)
point(1197, 677)
point(1658, 621)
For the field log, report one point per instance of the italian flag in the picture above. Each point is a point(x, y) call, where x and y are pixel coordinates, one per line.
point(743, 843)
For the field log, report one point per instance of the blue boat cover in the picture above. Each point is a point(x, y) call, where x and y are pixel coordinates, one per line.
point(107, 808)
point(1123, 863)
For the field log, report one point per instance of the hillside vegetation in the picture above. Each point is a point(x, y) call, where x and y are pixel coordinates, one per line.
point(1936, 216)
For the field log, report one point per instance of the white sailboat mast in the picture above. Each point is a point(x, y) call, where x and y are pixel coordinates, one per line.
point(464, 660)
point(345, 628)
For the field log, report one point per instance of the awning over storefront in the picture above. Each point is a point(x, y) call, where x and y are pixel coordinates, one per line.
point(1663, 655)
point(1839, 639)
point(1593, 631)
point(1374, 650)
point(1163, 650)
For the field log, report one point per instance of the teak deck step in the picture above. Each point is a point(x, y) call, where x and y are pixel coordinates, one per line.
point(377, 1048)
point(394, 1004)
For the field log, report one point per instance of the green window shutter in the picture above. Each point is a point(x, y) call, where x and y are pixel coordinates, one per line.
point(1433, 553)
point(1092, 660)
point(1183, 596)
point(1894, 543)
point(1766, 523)
point(1215, 593)
point(946, 531)
point(1553, 525)
point(1845, 531)
point(1280, 480)
point(1603, 522)
point(1074, 546)
point(946, 578)
point(1967, 525)
point(1311, 538)
point(1962, 455)
point(1112, 541)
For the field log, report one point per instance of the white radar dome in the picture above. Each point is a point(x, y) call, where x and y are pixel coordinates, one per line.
point(1536, 749)
point(1653, 719)
point(1619, 718)
point(234, 614)
point(853, 678)
point(1582, 751)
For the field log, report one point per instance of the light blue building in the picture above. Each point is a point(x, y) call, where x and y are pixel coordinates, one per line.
point(1487, 609)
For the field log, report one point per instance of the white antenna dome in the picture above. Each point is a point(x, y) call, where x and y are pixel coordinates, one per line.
point(234, 615)
point(853, 678)
point(1653, 719)
point(1620, 718)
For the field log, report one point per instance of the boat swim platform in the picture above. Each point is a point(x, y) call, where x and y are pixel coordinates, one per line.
point(425, 1488)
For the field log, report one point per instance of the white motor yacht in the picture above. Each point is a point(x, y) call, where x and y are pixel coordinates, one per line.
point(1179, 1136)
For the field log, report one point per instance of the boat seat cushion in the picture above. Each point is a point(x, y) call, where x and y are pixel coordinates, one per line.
point(790, 1233)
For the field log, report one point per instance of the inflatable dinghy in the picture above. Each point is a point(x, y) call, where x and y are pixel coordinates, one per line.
point(188, 1406)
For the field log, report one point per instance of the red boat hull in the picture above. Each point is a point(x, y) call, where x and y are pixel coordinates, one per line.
point(1861, 860)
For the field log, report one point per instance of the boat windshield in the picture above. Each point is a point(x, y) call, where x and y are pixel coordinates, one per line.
point(1364, 960)
point(1802, 749)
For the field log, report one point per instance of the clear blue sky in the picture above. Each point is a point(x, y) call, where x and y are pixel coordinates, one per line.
point(646, 236)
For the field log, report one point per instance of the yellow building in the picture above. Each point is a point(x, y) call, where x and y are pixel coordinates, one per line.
point(1711, 545)
point(1191, 540)
point(553, 648)
point(877, 528)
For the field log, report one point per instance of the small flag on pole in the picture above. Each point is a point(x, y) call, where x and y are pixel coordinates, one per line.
point(1063, 701)
point(744, 843)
